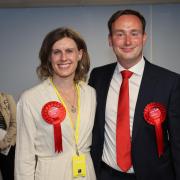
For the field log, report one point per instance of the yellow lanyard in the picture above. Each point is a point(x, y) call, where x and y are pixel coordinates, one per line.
point(76, 128)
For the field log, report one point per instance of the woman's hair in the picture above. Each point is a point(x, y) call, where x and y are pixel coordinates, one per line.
point(119, 13)
point(44, 70)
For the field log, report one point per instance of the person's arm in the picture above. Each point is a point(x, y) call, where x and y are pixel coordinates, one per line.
point(91, 79)
point(25, 148)
point(174, 126)
point(10, 137)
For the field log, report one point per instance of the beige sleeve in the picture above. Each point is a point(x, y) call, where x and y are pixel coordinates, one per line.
point(10, 137)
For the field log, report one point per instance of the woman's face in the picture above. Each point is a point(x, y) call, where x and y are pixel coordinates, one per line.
point(64, 58)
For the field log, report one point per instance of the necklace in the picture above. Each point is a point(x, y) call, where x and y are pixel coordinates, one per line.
point(73, 108)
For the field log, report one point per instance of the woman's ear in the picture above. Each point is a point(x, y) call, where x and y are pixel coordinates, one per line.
point(80, 54)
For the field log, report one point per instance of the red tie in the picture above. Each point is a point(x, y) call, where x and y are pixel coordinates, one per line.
point(123, 141)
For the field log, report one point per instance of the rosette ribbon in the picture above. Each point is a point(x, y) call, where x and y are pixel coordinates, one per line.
point(155, 114)
point(54, 113)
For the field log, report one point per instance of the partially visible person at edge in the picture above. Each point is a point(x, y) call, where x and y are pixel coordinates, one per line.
point(7, 135)
point(154, 101)
point(55, 118)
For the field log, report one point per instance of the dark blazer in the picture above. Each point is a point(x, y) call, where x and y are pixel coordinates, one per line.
point(158, 85)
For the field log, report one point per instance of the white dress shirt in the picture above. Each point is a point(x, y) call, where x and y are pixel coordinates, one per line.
point(109, 151)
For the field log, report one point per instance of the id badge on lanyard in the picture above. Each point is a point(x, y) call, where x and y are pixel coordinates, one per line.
point(78, 160)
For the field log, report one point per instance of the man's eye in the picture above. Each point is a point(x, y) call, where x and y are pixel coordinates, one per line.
point(120, 34)
point(135, 33)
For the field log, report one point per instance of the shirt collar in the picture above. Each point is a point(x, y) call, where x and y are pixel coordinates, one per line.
point(136, 69)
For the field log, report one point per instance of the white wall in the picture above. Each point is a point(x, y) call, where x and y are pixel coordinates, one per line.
point(166, 36)
point(22, 32)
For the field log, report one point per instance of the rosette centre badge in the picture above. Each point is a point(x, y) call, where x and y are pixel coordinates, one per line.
point(54, 113)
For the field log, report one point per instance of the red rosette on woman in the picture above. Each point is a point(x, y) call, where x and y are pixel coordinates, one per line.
point(54, 113)
point(155, 114)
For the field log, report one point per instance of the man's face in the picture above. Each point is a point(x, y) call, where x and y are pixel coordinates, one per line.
point(127, 40)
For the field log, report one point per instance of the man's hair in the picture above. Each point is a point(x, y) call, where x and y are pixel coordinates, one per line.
point(119, 13)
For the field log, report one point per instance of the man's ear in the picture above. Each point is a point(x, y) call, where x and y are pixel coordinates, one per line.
point(110, 40)
point(144, 38)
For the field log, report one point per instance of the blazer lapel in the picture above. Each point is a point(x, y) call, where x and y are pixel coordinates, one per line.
point(145, 96)
point(102, 93)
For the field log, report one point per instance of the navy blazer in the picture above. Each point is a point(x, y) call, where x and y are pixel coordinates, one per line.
point(157, 85)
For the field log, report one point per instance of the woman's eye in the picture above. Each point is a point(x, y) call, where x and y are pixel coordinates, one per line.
point(56, 52)
point(69, 50)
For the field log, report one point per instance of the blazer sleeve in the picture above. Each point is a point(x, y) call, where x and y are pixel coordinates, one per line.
point(10, 137)
point(174, 126)
point(25, 159)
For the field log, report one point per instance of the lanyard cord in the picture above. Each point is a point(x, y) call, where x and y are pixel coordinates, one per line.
point(77, 126)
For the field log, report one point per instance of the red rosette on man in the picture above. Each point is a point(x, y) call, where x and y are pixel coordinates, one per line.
point(155, 114)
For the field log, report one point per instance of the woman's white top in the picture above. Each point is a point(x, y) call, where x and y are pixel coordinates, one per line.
point(36, 158)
